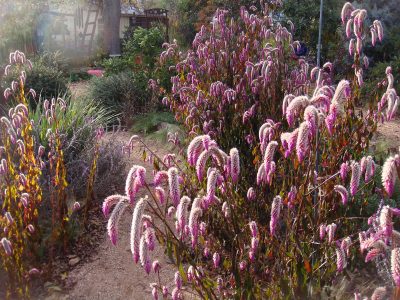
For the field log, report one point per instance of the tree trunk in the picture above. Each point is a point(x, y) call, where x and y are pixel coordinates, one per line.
point(112, 15)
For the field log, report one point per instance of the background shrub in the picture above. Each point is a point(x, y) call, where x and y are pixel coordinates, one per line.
point(77, 127)
point(125, 92)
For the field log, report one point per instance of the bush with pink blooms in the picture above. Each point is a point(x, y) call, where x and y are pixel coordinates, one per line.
point(255, 212)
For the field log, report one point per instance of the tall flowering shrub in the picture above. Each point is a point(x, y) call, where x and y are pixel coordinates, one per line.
point(21, 192)
point(22, 160)
point(234, 77)
point(251, 215)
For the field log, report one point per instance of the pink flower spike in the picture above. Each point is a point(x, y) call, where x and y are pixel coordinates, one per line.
point(174, 189)
point(178, 280)
point(235, 164)
point(109, 202)
point(6, 246)
point(251, 194)
point(344, 168)
point(395, 265)
point(156, 266)
point(389, 175)
point(76, 206)
point(343, 193)
point(303, 142)
point(340, 259)
point(275, 212)
point(114, 219)
point(253, 228)
point(216, 259)
point(355, 177)
point(322, 231)
point(136, 227)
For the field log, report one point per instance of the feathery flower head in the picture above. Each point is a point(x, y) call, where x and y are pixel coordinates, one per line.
point(211, 184)
point(160, 194)
point(6, 246)
point(372, 254)
point(379, 29)
point(275, 212)
point(173, 182)
point(344, 169)
point(395, 265)
point(355, 177)
point(154, 293)
point(178, 280)
point(340, 259)
point(181, 213)
point(160, 176)
point(389, 175)
point(225, 209)
point(176, 294)
point(195, 213)
point(195, 147)
point(261, 174)
point(311, 116)
point(379, 293)
point(294, 108)
point(253, 228)
point(251, 194)
point(109, 202)
point(345, 245)
point(254, 243)
point(322, 231)
point(385, 220)
point(216, 259)
point(269, 155)
point(303, 143)
point(343, 193)
point(113, 221)
point(143, 255)
point(150, 238)
point(369, 169)
point(235, 164)
point(76, 206)
point(10, 219)
point(156, 266)
point(136, 227)
point(346, 11)
point(331, 229)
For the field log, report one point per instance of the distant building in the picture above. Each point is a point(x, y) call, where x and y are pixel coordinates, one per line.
point(79, 28)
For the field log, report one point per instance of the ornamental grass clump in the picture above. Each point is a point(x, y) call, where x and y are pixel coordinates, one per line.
point(250, 214)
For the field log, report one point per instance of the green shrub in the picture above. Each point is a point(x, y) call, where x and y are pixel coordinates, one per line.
point(141, 48)
point(47, 81)
point(149, 122)
point(126, 92)
point(55, 59)
point(78, 76)
point(116, 65)
point(46, 77)
point(146, 43)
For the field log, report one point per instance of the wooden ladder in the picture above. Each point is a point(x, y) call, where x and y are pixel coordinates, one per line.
point(90, 27)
